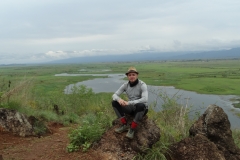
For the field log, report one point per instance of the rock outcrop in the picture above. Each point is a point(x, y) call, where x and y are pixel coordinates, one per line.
point(197, 148)
point(15, 122)
point(210, 138)
point(117, 146)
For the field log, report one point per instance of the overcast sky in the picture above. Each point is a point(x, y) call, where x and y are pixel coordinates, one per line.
point(44, 30)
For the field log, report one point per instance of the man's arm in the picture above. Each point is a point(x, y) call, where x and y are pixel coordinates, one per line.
point(116, 95)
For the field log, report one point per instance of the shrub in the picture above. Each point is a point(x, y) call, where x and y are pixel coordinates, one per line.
point(39, 128)
point(69, 118)
point(173, 118)
point(94, 125)
point(46, 115)
point(174, 122)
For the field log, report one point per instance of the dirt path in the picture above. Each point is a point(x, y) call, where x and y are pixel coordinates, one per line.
point(51, 147)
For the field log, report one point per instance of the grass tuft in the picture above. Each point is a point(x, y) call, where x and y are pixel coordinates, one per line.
point(236, 136)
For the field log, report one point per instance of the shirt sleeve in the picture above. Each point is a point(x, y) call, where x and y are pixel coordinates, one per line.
point(144, 96)
point(116, 95)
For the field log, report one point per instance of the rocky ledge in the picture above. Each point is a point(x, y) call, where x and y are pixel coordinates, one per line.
point(15, 122)
point(116, 146)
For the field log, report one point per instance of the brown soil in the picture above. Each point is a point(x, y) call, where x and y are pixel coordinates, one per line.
point(49, 147)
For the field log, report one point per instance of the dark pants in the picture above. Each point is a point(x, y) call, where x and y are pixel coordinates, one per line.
point(138, 111)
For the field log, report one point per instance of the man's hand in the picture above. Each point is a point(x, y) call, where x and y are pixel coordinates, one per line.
point(122, 102)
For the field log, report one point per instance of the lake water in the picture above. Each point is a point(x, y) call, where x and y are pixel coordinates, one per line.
point(199, 102)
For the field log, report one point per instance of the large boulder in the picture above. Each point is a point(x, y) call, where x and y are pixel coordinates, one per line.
point(118, 147)
point(213, 128)
point(195, 148)
point(15, 122)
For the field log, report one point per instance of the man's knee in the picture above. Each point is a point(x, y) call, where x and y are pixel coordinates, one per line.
point(115, 104)
point(145, 112)
point(140, 107)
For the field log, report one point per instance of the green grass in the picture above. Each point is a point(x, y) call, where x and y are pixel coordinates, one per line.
point(211, 85)
point(236, 105)
point(91, 130)
point(236, 136)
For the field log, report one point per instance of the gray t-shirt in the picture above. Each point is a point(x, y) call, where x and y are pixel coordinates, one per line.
point(135, 94)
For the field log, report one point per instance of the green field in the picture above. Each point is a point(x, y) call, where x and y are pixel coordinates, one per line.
point(209, 77)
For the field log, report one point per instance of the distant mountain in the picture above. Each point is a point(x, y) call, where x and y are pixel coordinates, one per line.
point(142, 56)
point(221, 54)
point(153, 56)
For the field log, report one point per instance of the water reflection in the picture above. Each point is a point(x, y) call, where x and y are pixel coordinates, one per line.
point(199, 102)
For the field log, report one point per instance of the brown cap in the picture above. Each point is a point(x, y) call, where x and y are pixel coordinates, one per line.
point(132, 70)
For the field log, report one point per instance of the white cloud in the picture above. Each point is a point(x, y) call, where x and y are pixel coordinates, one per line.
point(57, 54)
point(67, 40)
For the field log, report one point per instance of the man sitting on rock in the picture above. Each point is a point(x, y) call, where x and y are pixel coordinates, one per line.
point(136, 91)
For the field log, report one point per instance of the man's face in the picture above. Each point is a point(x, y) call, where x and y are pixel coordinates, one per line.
point(132, 77)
